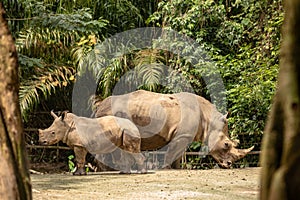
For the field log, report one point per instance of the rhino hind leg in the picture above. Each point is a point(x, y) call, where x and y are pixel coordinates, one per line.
point(131, 140)
point(132, 147)
point(79, 171)
point(140, 161)
point(125, 163)
point(128, 159)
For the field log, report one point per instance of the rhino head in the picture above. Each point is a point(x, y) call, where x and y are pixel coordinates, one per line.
point(226, 153)
point(221, 147)
point(56, 132)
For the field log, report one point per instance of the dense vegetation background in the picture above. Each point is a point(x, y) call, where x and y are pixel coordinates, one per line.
point(242, 38)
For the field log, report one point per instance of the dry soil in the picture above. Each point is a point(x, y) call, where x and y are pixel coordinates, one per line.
point(233, 184)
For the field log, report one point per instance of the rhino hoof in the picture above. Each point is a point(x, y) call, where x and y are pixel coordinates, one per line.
point(143, 171)
point(79, 172)
point(166, 167)
point(125, 172)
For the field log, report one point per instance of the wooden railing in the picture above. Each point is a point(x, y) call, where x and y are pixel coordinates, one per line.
point(184, 159)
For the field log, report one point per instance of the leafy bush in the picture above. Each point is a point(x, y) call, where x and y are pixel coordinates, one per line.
point(243, 39)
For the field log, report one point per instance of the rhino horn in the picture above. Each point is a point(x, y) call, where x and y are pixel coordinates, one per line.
point(244, 152)
point(53, 114)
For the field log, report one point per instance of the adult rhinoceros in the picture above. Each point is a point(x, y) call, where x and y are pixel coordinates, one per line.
point(174, 120)
point(97, 136)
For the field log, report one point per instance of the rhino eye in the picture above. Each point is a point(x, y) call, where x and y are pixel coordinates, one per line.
point(53, 133)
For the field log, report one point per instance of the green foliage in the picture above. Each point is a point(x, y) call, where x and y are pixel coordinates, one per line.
point(47, 34)
point(58, 38)
point(250, 94)
point(251, 73)
point(123, 14)
point(195, 145)
point(71, 164)
point(243, 39)
point(81, 22)
point(41, 80)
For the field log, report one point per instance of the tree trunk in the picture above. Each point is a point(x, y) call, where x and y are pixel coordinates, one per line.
point(14, 174)
point(280, 157)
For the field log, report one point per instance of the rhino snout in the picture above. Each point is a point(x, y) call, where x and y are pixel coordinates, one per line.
point(45, 137)
point(229, 163)
point(225, 164)
point(43, 142)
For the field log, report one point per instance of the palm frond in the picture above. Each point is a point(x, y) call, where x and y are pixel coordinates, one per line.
point(87, 56)
point(149, 68)
point(42, 86)
point(81, 22)
point(151, 75)
point(48, 44)
point(122, 14)
point(109, 75)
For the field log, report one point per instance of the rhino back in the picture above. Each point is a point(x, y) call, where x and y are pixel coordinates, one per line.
point(115, 126)
point(97, 135)
point(157, 116)
point(103, 108)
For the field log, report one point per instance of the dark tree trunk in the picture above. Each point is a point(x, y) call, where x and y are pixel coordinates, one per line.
point(280, 158)
point(14, 175)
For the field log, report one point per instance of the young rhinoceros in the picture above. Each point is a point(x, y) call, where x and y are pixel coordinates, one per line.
point(97, 136)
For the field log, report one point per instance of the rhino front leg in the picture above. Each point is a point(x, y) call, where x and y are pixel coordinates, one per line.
point(175, 149)
point(80, 154)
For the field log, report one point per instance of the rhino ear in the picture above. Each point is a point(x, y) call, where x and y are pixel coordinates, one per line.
point(224, 117)
point(236, 142)
point(227, 114)
point(64, 115)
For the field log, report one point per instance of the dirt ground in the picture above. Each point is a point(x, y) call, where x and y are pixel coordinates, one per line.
point(162, 184)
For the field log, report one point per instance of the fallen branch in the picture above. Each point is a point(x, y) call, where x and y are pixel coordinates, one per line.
point(47, 147)
point(35, 172)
